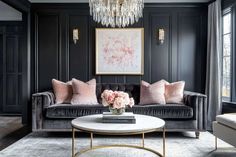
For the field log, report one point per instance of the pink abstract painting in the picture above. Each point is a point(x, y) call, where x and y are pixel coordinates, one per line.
point(119, 51)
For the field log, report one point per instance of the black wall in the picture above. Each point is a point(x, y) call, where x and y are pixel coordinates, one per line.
point(181, 57)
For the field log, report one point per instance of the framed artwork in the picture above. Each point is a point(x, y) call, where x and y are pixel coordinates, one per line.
point(119, 51)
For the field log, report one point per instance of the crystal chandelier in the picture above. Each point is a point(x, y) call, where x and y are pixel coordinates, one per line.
point(118, 13)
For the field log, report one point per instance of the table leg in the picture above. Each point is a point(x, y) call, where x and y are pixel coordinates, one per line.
point(142, 139)
point(164, 142)
point(91, 140)
point(73, 142)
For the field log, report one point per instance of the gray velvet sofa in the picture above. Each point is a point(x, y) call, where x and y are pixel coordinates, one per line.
point(189, 116)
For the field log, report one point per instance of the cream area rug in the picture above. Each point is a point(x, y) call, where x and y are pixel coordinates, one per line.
point(177, 145)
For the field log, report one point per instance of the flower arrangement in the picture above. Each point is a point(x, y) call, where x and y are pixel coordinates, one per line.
point(116, 100)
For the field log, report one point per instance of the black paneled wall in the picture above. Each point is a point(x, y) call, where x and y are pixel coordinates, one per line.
point(181, 57)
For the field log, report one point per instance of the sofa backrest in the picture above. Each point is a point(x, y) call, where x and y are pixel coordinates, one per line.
point(132, 89)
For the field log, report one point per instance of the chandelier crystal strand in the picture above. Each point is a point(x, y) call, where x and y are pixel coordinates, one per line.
point(120, 13)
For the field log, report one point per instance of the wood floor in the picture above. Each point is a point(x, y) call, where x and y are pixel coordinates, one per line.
point(11, 130)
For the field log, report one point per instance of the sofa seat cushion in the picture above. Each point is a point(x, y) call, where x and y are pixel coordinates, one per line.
point(227, 119)
point(167, 111)
point(73, 111)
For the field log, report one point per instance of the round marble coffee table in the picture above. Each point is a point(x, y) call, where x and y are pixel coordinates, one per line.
point(93, 125)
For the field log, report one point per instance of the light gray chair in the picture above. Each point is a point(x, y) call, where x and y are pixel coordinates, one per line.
point(224, 128)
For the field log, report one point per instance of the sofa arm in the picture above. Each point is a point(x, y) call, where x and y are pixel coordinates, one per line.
point(199, 104)
point(39, 102)
point(47, 98)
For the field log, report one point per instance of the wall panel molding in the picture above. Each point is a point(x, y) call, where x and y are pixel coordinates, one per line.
point(160, 53)
point(160, 61)
point(48, 57)
point(190, 45)
point(79, 52)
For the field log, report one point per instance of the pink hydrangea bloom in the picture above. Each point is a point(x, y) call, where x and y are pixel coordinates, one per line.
point(119, 103)
point(116, 99)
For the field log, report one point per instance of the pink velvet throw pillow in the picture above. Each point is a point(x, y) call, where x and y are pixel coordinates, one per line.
point(152, 93)
point(84, 93)
point(174, 92)
point(62, 91)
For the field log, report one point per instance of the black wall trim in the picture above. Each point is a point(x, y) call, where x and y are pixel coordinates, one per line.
point(86, 6)
point(175, 5)
point(21, 5)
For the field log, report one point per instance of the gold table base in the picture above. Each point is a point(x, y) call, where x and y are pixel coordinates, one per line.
point(112, 146)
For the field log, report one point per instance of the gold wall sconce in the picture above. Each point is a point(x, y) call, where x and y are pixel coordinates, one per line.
point(76, 34)
point(161, 35)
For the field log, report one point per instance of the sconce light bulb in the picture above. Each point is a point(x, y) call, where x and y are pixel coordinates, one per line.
point(161, 35)
point(75, 35)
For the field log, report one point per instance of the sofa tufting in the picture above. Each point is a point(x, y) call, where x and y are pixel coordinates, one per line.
point(189, 116)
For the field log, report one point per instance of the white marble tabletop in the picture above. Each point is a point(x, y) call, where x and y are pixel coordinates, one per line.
point(93, 123)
